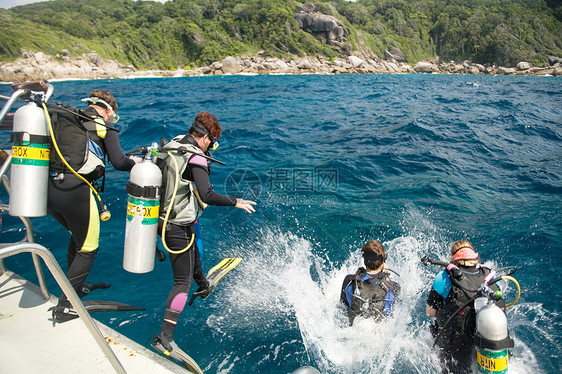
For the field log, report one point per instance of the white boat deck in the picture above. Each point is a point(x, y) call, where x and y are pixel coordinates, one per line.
point(31, 343)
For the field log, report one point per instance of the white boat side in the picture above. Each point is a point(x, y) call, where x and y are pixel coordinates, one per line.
point(31, 343)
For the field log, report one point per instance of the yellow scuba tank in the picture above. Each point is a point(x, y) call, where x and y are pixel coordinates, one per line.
point(143, 208)
point(29, 175)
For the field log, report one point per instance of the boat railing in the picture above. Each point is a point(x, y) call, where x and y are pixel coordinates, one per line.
point(64, 284)
point(27, 245)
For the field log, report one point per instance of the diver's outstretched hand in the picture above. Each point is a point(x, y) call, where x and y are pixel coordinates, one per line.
point(246, 205)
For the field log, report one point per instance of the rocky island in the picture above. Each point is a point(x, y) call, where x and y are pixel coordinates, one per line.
point(325, 28)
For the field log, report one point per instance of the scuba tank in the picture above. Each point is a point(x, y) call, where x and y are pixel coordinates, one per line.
point(143, 208)
point(29, 176)
point(492, 340)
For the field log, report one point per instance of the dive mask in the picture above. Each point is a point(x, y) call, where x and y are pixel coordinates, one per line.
point(96, 100)
point(214, 144)
point(203, 130)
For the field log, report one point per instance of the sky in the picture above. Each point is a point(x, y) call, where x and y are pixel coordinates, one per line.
point(11, 3)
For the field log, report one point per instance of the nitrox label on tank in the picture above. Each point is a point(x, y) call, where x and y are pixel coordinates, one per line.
point(30, 154)
point(492, 362)
point(147, 209)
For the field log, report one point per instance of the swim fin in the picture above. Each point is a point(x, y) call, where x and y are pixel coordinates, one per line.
point(220, 269)
point(93, 306)
point(171, 349)
point(215, 275)
point(63, 313)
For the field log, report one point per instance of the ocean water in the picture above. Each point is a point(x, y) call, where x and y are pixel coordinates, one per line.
point(416, 161)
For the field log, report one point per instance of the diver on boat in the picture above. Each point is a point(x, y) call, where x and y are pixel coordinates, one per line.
point(71, 201)
point(454, 327)
point(187, 191)
point(370, 292)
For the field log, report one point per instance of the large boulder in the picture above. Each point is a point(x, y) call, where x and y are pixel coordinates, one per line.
point(328, 29)
point(472, 70)
point(506, 71)
point(395, 54)
point(524, 65)
point(425, 67)
point(553, 60)
point(356, 62)
point(231, 66)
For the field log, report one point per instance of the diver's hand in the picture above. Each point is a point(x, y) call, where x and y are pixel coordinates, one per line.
point(246, 205)
point(135, 159)
point(202, 292)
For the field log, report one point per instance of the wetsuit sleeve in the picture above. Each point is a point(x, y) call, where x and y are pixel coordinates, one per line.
point(200, 175)
point(115, 153)
point(435, 300)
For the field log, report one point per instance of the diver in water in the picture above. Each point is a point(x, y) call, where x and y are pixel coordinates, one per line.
point(454, 328)
point(369, 292)
point(185, 202)
point(70, 200)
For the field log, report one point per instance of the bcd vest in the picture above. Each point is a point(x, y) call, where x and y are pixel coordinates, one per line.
point(187, 206)
point(459, 333)
point(80, 142)
point(371, 298)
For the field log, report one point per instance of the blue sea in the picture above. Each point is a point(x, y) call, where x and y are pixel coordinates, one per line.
point(333, 161)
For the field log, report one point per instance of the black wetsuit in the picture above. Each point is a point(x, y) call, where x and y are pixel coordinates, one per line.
point(74, 206)
point(187, 265)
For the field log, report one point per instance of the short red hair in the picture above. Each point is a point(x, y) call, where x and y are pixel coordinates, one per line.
point(211, 124)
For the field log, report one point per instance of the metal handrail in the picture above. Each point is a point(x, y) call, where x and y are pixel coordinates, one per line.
point(10, 103)
point(28, 232)
point(69, 291)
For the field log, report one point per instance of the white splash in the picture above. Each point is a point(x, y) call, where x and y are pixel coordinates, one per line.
point(282, 279)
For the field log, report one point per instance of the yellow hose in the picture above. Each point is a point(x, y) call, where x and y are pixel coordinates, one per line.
point(103, 217)
point(518, 289)
point(172, 201)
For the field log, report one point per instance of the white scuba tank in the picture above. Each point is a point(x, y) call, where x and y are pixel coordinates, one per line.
point(29, 175)
point(492, 340)
point(143, 208)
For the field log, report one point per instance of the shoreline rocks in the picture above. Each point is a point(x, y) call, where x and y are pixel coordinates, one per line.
point(39, 66)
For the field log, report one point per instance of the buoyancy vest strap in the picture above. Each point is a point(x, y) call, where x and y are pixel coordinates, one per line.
point(24, 137)
point(151, 192)
point(101, 128)
point(482, 342)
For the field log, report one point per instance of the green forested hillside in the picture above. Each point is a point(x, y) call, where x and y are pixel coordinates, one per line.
point(182, 33)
